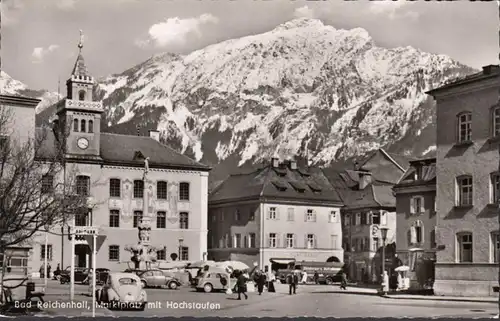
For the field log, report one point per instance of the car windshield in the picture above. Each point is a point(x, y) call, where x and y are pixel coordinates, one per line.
point(127, 281)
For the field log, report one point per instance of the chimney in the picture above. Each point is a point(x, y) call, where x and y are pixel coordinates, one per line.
point(488, 70)
point(293, 164)
point(275, 162)
point(365, 179)
point(155, 135)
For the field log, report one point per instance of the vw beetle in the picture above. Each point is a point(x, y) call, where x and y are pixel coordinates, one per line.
point(122, 291)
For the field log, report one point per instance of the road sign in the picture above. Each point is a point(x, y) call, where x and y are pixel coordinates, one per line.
point(85, 230)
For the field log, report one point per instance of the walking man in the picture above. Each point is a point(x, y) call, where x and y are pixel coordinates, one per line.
point(241, 283)
point(292, 280)
point(343, 282)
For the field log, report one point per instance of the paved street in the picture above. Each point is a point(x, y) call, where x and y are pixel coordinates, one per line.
point(320, 301)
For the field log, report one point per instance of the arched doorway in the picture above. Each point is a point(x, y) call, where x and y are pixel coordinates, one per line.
point(333, 259)
point(82, 256)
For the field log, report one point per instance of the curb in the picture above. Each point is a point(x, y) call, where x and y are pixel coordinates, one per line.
point(434, 298)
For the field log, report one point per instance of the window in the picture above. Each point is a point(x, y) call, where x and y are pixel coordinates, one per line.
point(114, 187)
point(251, 240)
point(237, 215)
point(161, 220)
point(75, 125)
point(290, 214)
point(416, 233)
point(333, 242)
point(161, 255)
point(496, 122)
point(433, 238)
point(417, 205)
point(82, 125)
point(221, 216)
point(184, 220)
point(375, 244)
point(91, 126)
point(465, 127)
point(418, 172)
point(347, 220)
point(494, 188)
point(310, 216)
point(272, 213)
point(214, 217)
point(237, 240)
point(184, 253)
point(81, 95)
point(42, 252)
point(464, 247)
point(464, 185)
point(184, 191)
point(138, 189)
point(114, 253)
point(47, 184)
point(333, 217)
point(81, 219)
point(273, 241)
point(310, 241)
point(137, 218)
point(376, 218)
point(251, 215)
point(114, 218)
point(290, 240)
point(495, 246)
point(83, 185)
point(161, 190)
point(358, 219)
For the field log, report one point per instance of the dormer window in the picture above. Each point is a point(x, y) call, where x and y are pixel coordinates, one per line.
point(464, 127)
point(75, 125)
point(81, 95)
point(83, 126)
point(418, 172)
point(91, 126)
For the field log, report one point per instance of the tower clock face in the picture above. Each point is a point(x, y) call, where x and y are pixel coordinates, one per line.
point(83, 143)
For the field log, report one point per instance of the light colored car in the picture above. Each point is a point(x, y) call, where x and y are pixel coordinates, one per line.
point(122, 291)
point(215, 280)
point(157, 278)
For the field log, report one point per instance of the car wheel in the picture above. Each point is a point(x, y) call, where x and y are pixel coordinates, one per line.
point(172, 285)
point(208, 288)
point(329, 281)
point(144, 285)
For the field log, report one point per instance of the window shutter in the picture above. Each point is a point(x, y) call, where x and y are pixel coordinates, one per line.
point(294, 240)
point(413, 235)
point(422, 204)
point(314, 216)
point(268, 241)
point(305, 241)
point(315, 243)
point(268, 214)
point(305, 216)
point(277, 213)
point(412, 205)
point(278, 240)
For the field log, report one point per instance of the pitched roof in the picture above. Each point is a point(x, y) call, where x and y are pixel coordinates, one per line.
point(284, 183)
point(428, 174)
point(388, 170)
point(122, 149)
point(490, 71)
point(80, 69)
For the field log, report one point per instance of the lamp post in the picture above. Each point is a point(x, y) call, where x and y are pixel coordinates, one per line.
point(181, 240)
point(383, 233)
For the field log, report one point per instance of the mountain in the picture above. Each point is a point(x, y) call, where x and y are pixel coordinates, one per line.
point(303, 88)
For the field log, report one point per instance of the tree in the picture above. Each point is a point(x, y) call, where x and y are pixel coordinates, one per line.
point(36, 193)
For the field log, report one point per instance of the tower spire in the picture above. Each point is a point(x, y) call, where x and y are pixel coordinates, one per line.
point(80, 44)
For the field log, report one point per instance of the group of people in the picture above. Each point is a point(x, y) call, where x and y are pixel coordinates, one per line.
point(261, 278)
point(57, 271)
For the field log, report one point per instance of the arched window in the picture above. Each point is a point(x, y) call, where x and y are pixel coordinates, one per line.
point(82, 126)
point(81, 95)
point(75, 125)
point(495, 121)
point(464, 127)
point(91, 126)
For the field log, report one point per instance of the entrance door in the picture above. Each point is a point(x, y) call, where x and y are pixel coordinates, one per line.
point(82, 256)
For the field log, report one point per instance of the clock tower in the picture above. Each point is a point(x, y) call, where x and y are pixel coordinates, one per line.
point(81, 115)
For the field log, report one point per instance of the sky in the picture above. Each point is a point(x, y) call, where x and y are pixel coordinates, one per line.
point(40, 37)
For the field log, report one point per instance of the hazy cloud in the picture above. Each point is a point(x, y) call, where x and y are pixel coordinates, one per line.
point(175, 31)
point(66, 4)
point(39, 53)
point(304, 12)
point(393, 9)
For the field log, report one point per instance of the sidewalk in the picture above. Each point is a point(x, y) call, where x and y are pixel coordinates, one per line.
point(442, 298)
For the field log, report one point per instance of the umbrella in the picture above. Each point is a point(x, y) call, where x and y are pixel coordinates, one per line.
point(402, 268)
point(235, 265)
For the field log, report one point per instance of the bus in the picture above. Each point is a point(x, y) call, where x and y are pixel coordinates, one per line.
point(328, 272)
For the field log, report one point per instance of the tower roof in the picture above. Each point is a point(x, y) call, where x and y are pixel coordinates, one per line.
point(80, 69)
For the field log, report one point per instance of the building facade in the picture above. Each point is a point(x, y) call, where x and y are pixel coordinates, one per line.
point(468, 128)
point(108, 169)
point(275, 215)
point(369, 205)
point(416, 221)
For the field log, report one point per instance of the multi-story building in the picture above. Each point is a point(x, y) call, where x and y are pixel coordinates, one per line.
point(275, 215)
point(108, 169)
point(416, 221)
point(369, 205)
point(468, 132)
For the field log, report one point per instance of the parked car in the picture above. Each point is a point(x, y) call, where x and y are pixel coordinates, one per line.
point(80, 275)
point(214, 280)
point(122, 290)
point(156, 278)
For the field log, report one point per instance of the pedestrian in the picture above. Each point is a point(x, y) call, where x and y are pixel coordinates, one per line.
point(261, 281)
point(304, 277)
point(42, 272)
point(48, 270)
point(343, 282)
point(57, 272)
point(241, 283)
point(270, 284)
point(316, 277)
point(292, 280)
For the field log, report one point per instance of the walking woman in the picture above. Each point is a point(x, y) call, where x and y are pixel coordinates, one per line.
point(271, 278)
point(242, 286)
point(343, 282)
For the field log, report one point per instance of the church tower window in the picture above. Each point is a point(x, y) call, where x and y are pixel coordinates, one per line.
point(75, 125)
point(82, 126)
point(91, 126)
point(81, 95)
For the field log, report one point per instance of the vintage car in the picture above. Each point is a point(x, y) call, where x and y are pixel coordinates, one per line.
point(81, 275)
point(156, 278)
point(122, 291)
point(214, 279)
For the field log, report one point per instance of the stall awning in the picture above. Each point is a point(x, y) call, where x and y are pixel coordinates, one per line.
point(281, 260)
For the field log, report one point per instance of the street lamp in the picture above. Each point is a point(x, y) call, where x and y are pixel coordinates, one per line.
point(181, 240)
point(383, 233)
